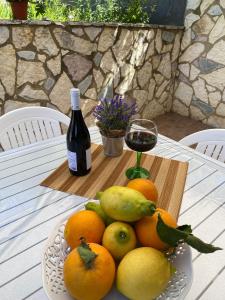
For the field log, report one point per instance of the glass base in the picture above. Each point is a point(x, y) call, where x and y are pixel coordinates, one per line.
point(137, 172)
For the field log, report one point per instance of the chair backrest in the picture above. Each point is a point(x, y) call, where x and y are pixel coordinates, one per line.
point(28, 125)
point(210, 142)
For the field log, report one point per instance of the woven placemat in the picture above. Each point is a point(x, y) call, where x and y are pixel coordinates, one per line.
point(169, 176)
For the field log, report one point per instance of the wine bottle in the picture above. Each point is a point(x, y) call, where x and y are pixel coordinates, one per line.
point(78, 139)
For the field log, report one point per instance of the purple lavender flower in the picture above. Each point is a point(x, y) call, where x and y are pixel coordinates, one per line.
point(114, 114)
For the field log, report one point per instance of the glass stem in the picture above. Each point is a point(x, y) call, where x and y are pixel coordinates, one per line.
point(138, 163)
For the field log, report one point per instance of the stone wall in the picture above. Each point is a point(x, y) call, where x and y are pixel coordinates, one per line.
point(41, 61)
point(200, 88)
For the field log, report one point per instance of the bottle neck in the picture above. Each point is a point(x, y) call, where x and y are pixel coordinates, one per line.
point(75, 104)
point(77, 116)
point(76, 113)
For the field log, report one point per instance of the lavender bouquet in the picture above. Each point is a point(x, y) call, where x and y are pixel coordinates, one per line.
point(113, 116)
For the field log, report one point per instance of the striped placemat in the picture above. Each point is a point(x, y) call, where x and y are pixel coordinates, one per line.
point(169, 176)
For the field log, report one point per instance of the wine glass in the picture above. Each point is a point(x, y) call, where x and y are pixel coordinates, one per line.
point(141, 136)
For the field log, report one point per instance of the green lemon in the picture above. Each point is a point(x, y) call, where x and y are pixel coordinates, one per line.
point(125, 204)
point(143, 274)
point(119, 238)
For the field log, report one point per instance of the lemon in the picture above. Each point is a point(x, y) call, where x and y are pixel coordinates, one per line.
point(125, 204)
point(143, 274)
point(119, 238)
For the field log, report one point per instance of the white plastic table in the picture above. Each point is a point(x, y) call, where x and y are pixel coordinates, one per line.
point(29, 212)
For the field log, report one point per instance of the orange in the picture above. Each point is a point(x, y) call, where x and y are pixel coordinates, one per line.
point(89, 281)
point(146, 229)
point(86, 224)
point(145, 186)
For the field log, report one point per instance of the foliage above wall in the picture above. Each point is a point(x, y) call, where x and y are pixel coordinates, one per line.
point(133, 11)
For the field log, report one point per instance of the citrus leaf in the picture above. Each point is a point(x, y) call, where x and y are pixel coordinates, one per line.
point(173, 236)
point(200, 245)
point(98, 195)
point(185, 228)
point(86, 254)
point(170, 235)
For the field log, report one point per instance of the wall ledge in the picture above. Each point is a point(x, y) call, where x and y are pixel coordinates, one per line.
point(87, 24)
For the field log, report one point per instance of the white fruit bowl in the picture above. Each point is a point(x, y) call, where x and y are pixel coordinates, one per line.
point(56, 250)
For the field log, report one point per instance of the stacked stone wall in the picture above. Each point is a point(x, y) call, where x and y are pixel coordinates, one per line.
point(41, 61)
point(200, 86)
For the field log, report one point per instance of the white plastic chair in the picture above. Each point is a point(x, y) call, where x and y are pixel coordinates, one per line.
point(28, 125)
point(211, 142)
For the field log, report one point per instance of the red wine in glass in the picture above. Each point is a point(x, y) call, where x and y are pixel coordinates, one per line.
point(141, 136)
point(141, 141)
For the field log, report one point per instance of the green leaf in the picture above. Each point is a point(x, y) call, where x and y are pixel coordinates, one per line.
point(169, 235)
point(98, 195)
point(185, 228)
point(200, 245)
point(173, 236)
point(86, 254)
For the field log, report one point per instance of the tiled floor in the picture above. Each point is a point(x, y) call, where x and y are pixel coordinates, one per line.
point(176, 126)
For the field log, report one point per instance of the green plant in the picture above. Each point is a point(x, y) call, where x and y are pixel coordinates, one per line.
point(136, 12)
point(114, 114)
point(5, 11)
point(51, 10)
point(130, 11)
point(40, 7)
point(112, 11)
point(54, 10)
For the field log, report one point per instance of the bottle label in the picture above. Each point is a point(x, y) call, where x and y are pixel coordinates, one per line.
point(88, 158)
point(72, 160)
